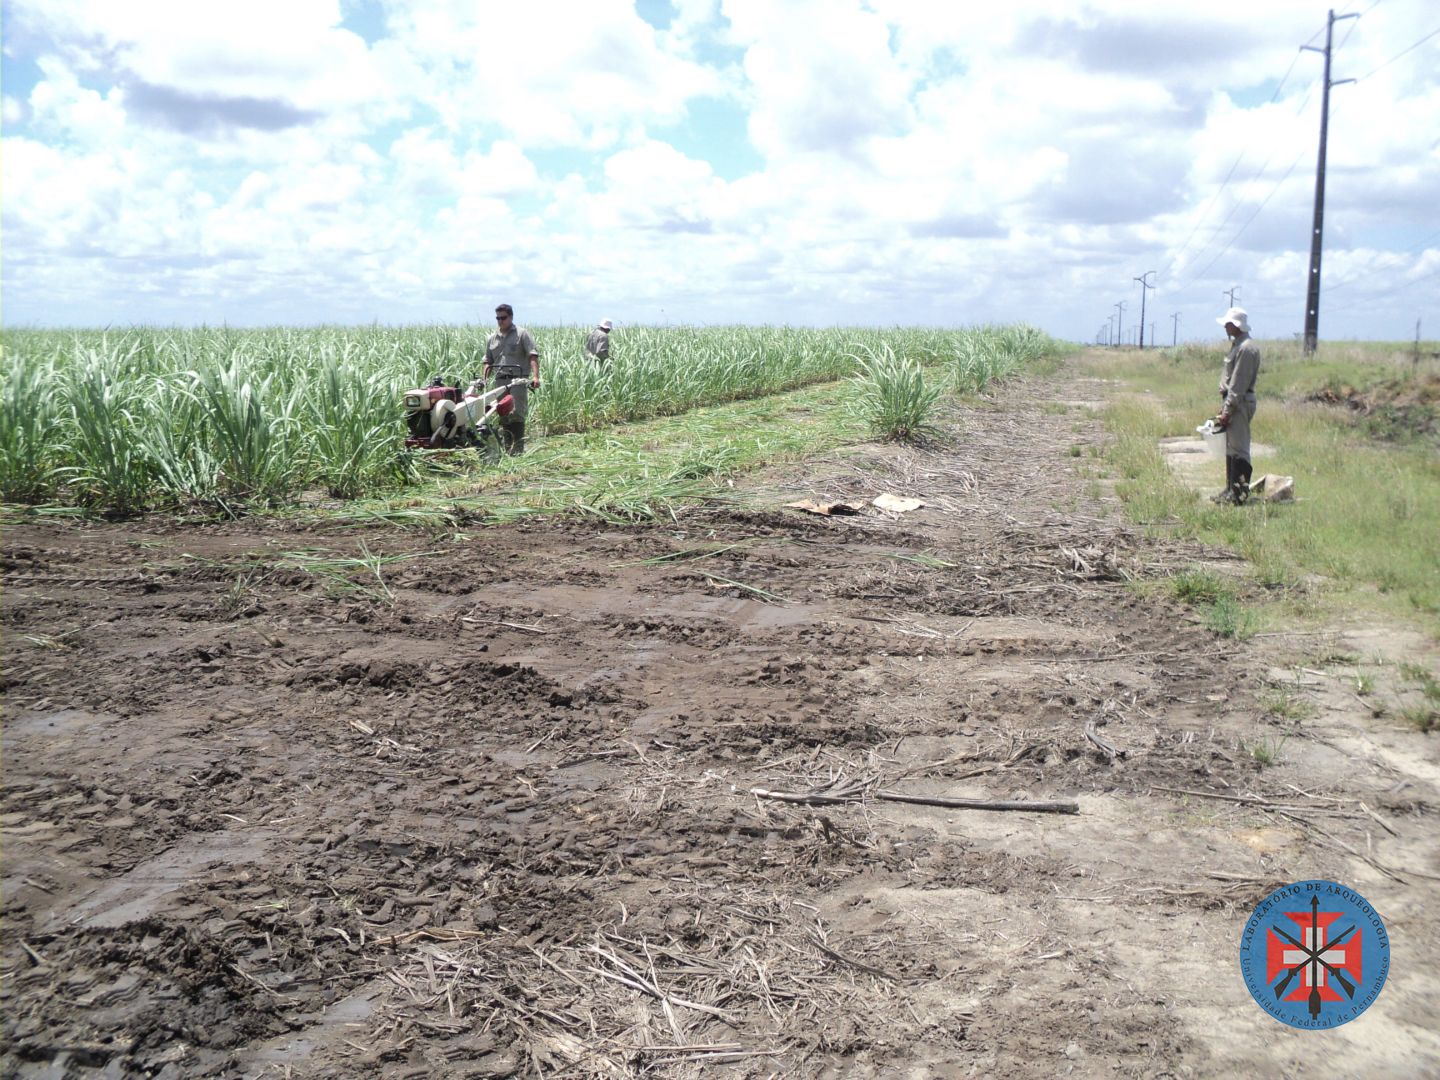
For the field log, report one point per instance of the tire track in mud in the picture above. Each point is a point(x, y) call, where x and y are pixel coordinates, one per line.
point(500, 825)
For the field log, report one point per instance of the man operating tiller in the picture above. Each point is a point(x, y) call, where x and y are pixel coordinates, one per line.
point(510, 355)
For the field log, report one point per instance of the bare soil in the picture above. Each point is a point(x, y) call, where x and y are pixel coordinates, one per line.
point(490, 812)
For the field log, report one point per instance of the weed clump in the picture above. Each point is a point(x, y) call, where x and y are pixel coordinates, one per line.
point(892, 396)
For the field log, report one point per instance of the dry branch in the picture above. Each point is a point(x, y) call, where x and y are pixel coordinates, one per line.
point(813, 798)
point(1109, 749)
point(982, 804)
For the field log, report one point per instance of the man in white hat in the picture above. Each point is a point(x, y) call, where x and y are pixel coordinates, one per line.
point(597, 345)
point(1237, 404)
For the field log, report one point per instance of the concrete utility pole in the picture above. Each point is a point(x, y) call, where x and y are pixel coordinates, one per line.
point(1174, 329)
point(1152, 335)
point(1119, 321)
point(1144, 285)
point(1312, 292)
point(1231, 294)
point(1109, 329)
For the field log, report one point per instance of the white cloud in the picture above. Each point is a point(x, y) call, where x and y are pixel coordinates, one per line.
point(74, 113)
point(287, 50)
point(425, 164)
point(14, 111)
point(822, 76)
point(545, 73)
point(887, 160)
point(503, 171)
point(57, 199)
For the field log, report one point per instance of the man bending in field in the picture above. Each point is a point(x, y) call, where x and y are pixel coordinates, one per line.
point(597, 345)
point(510, 354)
point(1237, 404)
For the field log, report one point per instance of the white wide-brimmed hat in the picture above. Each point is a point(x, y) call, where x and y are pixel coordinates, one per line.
point(1238, 317)
point(605, 324)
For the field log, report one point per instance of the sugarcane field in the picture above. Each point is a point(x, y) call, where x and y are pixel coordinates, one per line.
point(855, 757)
point(604, 541)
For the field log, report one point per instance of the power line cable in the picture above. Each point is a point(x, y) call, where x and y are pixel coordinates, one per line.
point(1398, 55)
point(1414, 249)
point(1254, 214)
point(1351, 28)
point(1362, 14)
point(1200, 218)
point(1349, 303)
point(1280, 183)
point(1192, 278)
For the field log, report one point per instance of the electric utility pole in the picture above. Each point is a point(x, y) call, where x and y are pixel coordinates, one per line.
point(1231, 294)
point(1109, 330)
point(1312, 292)
point(1144, 285)
point(1119, 321)
point(1174, 329)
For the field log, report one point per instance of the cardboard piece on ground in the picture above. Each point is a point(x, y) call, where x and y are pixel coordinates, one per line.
point(1274, 488)
point(827, 508)
point(898, 504)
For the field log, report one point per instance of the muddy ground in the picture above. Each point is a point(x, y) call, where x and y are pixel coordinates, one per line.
point(489, 811)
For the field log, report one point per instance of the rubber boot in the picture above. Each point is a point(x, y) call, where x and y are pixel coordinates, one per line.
point(1228, 494)
point(1241, 483)
point(517, 438)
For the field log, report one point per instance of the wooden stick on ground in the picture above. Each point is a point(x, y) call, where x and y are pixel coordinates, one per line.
point(808, 798)
point(1105, 746)
point(982, 804)
point(815, 799)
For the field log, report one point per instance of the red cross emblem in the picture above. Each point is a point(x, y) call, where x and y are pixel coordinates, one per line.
point(1319, 964)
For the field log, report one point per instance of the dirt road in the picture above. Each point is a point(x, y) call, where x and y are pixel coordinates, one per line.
point(487, 810)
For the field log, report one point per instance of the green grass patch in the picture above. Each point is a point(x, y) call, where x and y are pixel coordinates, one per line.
point(1197, 587)
point(1266, 751)
point(638, 472)
point(1423, 717)
point(1281, 704)
point(1229, 618)
point(1416, 698)
point(1367, 511)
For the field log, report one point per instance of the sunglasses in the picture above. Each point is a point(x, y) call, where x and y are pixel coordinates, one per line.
point(501, 318)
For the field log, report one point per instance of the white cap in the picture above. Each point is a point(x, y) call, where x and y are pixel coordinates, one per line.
point(1238, 317)
point(604, 324)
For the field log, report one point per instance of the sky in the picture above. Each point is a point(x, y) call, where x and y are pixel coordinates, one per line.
point(838, 162)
